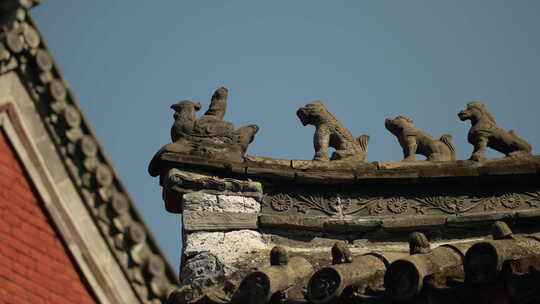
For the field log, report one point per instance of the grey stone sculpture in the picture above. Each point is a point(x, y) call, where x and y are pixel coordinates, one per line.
point(210, 133)
point(485, 133)
point(415, 141)
point(329, 132)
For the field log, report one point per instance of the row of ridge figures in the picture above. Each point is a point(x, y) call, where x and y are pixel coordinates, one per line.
point(210, 133)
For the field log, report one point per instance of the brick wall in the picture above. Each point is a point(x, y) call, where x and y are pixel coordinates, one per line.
point(35, 266)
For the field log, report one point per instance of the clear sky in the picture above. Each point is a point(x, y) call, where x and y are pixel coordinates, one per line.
point(127, 61)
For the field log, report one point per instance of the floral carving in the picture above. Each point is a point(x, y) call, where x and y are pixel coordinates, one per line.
point(491, 204)
point(511, 200)
point(361, 204)
point(377, 208)
point(312, 202)
point(534, 200)
point(398, 205)
point(281, 202)
point(446, 204)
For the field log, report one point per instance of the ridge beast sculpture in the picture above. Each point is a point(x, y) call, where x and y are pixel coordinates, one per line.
point(208, 135)
point(415, 141)
point(485, 132)
point(210, 132)
point(329, 132)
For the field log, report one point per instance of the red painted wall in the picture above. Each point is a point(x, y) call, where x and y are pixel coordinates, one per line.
point(35, 266)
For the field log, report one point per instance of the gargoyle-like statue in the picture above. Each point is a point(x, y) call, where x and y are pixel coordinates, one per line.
point(415, 141)
point(329, 132)
point(210, 133)
point(485, 132)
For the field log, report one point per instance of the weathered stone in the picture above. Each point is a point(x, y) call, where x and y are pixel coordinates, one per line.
point(329, 177)
point(453, 173)
point(199, 201)
point(201, 266)
point(486, 133)
point(476, 220)
point(186, 181)
point(271, 173)
point(393, 165)
point(357, 225)
point(391, 175)
point(305, 240)
point(285, 222)
point(229, 247)
point(173, 201)
point(413, 223)
point(229, 203)
point(508, 167)
point(329, 132)
point(341, 165)
point(266, 162)
point(173, 153)
point(217, 221)
point(415, 141)
point(528, 216)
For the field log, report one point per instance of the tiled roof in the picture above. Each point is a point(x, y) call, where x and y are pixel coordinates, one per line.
point(505, 269)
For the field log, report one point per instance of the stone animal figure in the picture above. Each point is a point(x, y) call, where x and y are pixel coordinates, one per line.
point(209, 133)
point(329, 132)
point(415, 141)
point(485, 133)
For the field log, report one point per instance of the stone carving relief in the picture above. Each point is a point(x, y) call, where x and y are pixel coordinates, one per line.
point(201, 266)
point(486, 133)
point(209, 133)
point(329, 132)
point(371, 204)
point(281, 202)
point(185, 182)
point(415, 141)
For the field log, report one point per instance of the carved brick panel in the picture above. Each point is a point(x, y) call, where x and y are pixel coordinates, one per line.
point(380, 202)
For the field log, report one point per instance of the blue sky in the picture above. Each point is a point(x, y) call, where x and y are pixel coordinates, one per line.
point(127, 61)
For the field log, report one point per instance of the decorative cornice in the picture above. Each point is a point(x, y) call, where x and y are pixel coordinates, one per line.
point(22, 50)
point(343, 172)
point(343, 197)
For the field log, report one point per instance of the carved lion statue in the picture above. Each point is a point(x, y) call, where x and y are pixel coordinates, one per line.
point(485, 133)
point(415, 141)
point(329, 132)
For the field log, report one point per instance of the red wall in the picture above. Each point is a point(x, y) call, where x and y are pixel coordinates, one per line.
point(35, 266)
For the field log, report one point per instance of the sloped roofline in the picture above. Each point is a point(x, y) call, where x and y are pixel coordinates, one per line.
point(24, 51)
